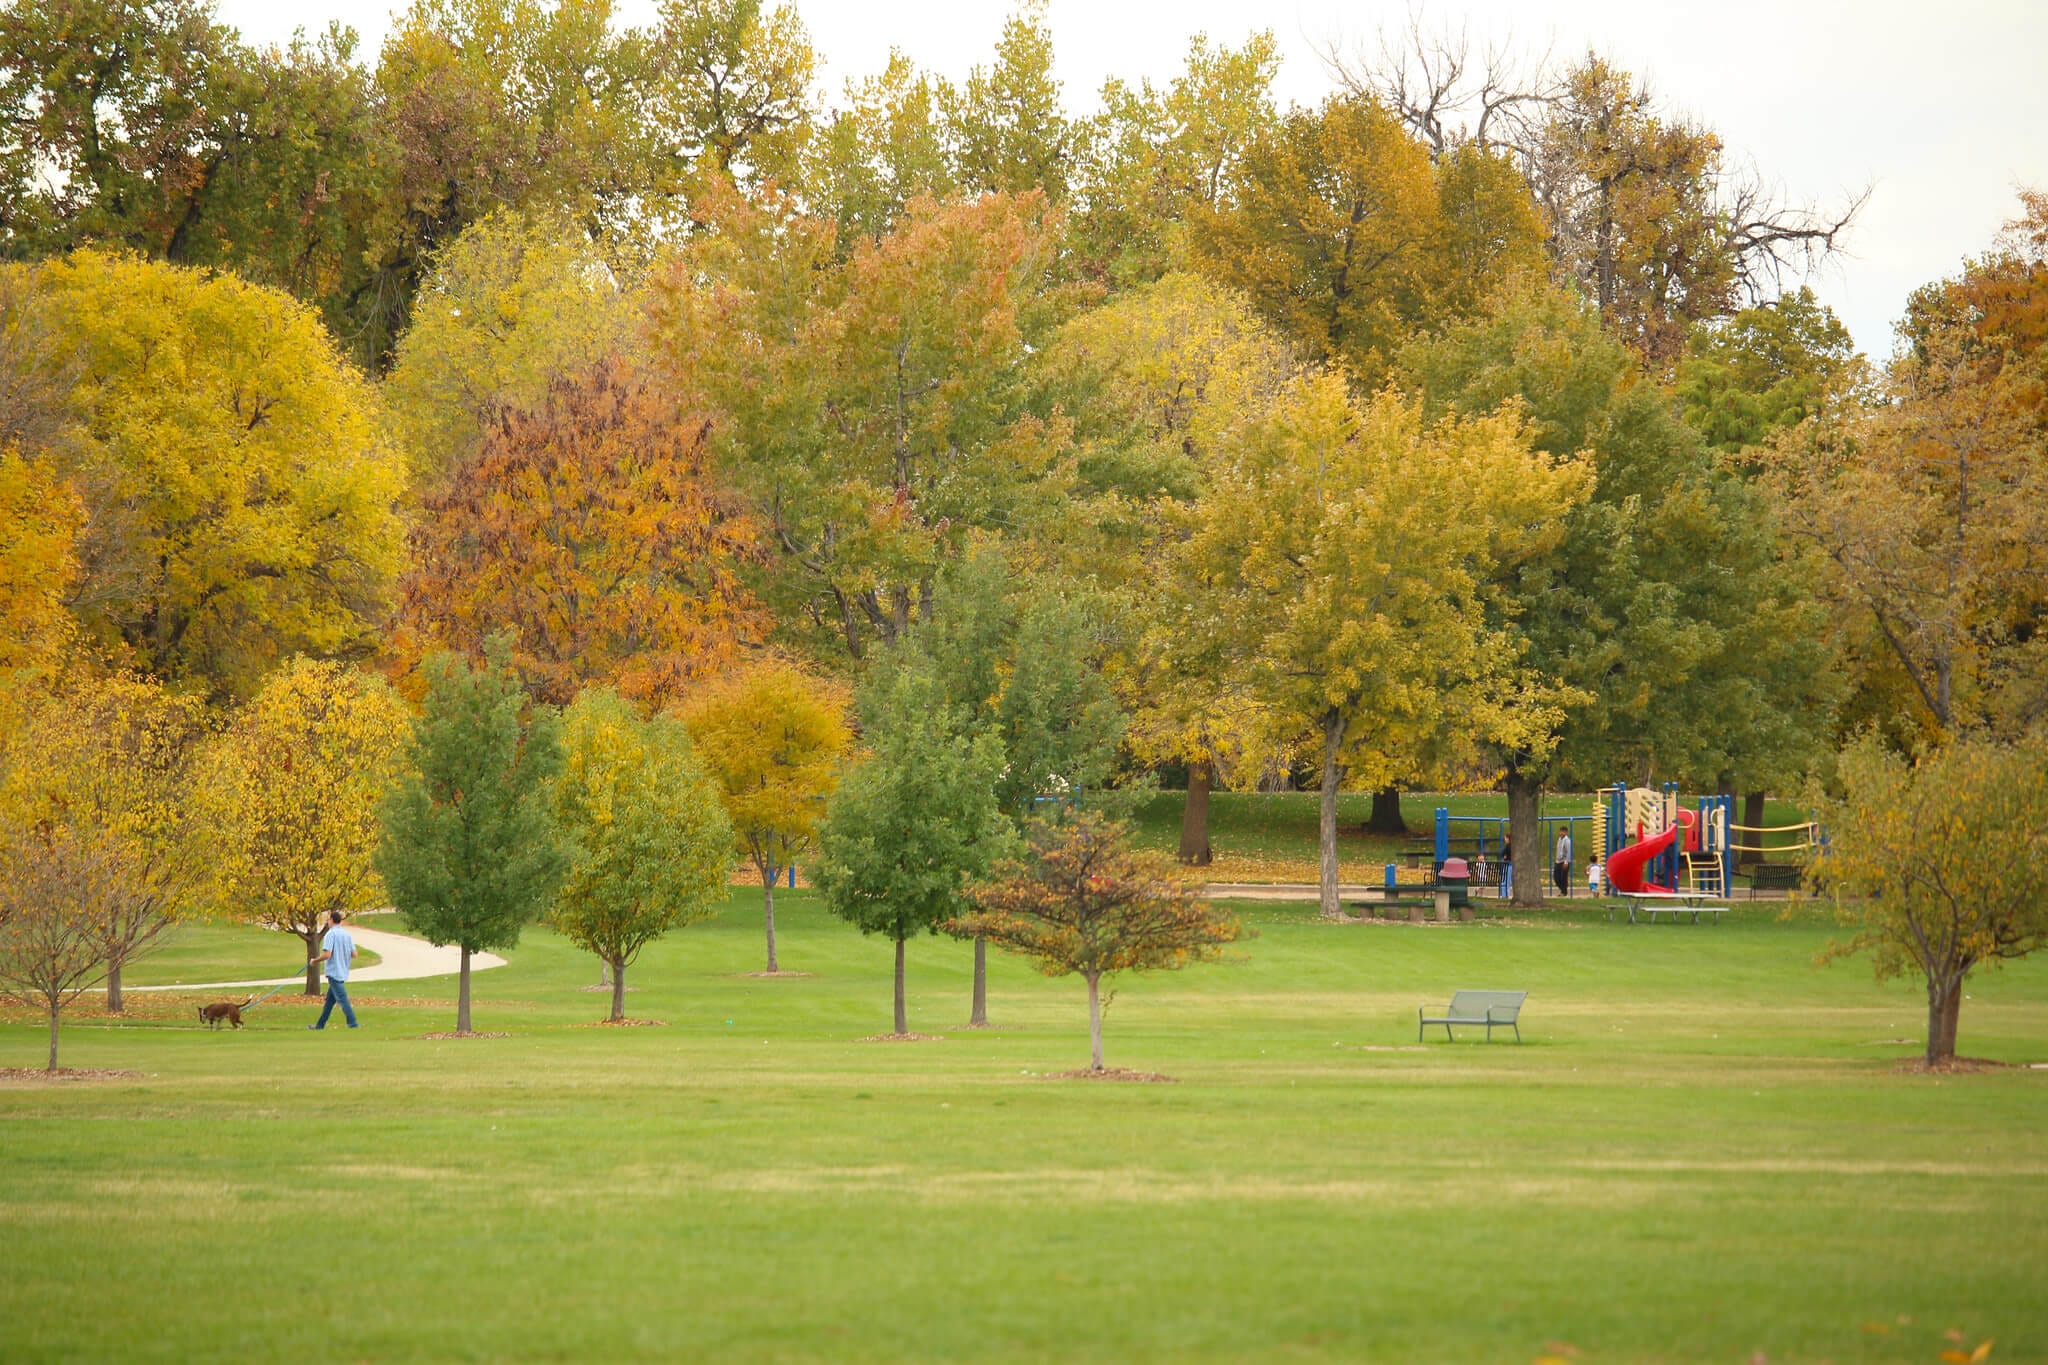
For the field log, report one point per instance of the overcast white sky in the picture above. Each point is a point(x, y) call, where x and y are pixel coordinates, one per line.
point(1941, 106)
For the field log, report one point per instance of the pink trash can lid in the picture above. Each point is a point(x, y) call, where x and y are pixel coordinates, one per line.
point(1455, 867)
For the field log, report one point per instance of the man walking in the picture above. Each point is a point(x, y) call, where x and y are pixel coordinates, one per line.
point(1562, 872)
point(337, 950)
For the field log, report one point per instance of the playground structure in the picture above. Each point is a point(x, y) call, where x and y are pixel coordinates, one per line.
point(1644, 839)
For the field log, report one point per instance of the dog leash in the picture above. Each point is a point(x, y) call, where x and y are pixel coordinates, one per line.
point(272, 991)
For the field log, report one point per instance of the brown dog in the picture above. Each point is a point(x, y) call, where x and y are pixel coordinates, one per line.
point(212, 1015)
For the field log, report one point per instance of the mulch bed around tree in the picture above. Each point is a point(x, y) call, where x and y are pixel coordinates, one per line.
point(67, 1074)
point(587, 990)
point(905, 1038)
point(471, 1034)
point(1111, 1073)
point(625, 1023)
point(1954, 1066)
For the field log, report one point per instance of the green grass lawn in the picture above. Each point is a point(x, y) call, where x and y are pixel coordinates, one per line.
point(1271, 836)
point(210, 950)
point(1704, 1151)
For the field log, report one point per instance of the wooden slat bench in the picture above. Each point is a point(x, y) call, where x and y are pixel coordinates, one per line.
point(1494, 1009)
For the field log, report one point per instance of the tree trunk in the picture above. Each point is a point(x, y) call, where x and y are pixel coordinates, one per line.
point(977, 1012)
point(1094, 1021)
point(55, 1010)
point(462, 995)
point(1944, 1006)
point(1194, 818)
point(902, 1020)
point(604, 972)
point(1753, 816)
point(1326, 832)
point(1532, 867)
point(768, 913)
point(114, 988)
point(312, 938)
point(618, 991)
point(1386, 813)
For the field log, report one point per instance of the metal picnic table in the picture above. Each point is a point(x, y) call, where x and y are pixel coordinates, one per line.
point(1650, 904)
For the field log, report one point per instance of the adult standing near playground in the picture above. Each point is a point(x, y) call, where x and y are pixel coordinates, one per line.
point(1561, 872)
point(337, 950)
point(1507, 866)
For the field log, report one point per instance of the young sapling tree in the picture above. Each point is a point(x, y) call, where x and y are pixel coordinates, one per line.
point(1084, 902)
point(470, 853)
point(649, 843)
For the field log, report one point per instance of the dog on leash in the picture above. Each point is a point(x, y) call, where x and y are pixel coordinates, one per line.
point(213, 1015)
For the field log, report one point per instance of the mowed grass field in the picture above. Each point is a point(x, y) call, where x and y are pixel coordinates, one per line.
point(1704, 1150)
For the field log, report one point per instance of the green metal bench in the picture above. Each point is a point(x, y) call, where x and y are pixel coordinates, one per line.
point(1774, 877)
point(1494, 1009)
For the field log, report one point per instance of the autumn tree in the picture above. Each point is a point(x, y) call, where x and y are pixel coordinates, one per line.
point(1006, 128)
point(1357, 584)
point(593, 530)
point(1327, 228)
point(1159, 378)
point(469, 853)
point(112, 761)
point(58, 888)
point(775, 738)
point(882, 147)
point(918, 820)
point(292, 792)
point(240, 497)
point(1937, 862)
point(1161, 153)
point(1084, 902)
point(1025, 663)
point(1660, 664)
point(41, 519)
point(512, 305)
point(1641, 207)
point(647, 838)
point(868, 406)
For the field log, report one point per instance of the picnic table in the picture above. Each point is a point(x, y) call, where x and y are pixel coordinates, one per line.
point(1650, 904)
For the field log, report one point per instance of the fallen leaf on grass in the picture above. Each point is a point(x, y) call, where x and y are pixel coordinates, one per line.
point(1877, 1329)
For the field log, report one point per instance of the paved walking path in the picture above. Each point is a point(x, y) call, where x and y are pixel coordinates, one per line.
point(404, 959)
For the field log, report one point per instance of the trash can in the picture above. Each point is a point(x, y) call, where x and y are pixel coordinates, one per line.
point(1456, 878)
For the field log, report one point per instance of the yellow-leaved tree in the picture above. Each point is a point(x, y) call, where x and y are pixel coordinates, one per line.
point(241, 502)
point(291, 796)
point(110, 760)
point(776, 739)
point(1159, 378)
point(40, 518)
point(1349, 549)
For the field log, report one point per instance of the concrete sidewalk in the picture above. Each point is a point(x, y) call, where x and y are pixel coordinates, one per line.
point(404, 959)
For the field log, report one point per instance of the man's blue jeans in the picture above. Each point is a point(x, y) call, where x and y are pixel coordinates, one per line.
point(337, 994)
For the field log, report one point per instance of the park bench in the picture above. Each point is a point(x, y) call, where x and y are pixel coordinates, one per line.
point(1494, 1009)
point(1774, 877)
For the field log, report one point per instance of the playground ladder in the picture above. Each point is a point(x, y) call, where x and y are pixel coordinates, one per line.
point(1703, 874)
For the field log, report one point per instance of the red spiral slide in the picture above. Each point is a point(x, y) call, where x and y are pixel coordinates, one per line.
point(1625, 869)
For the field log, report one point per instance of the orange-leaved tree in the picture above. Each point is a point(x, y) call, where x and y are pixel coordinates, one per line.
point(592, 529)
point(776, 739)
point(1086, 902)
